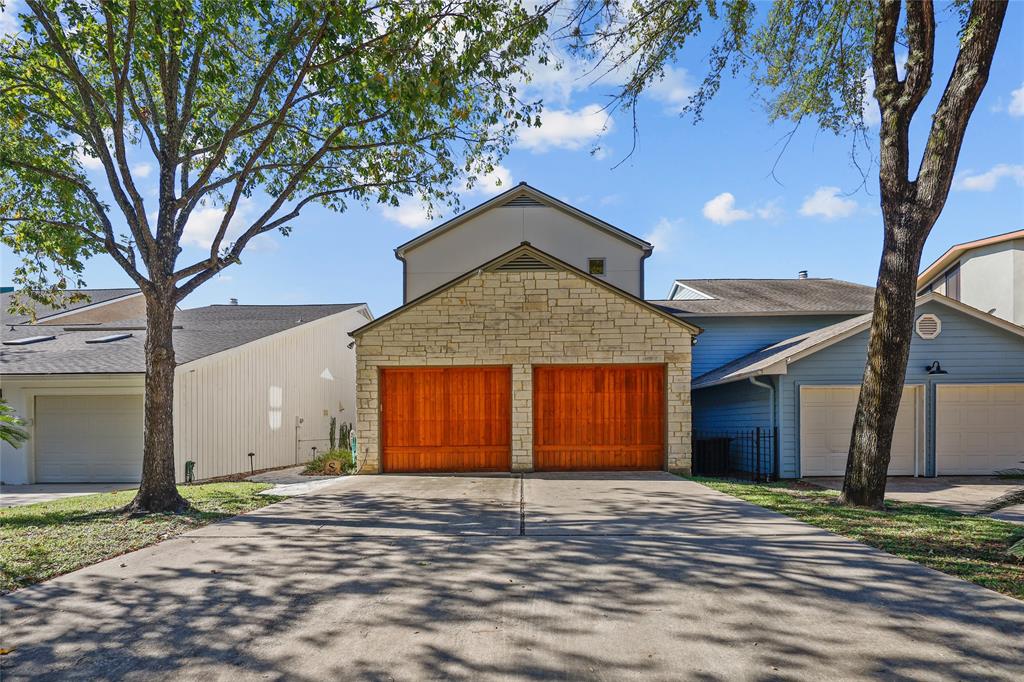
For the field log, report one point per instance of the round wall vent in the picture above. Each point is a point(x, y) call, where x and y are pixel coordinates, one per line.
point(928, 326)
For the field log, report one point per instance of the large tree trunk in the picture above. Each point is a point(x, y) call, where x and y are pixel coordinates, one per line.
point(888, 348)
point(158, 492)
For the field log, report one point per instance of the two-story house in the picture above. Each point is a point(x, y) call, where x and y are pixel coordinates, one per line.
point(524, 343)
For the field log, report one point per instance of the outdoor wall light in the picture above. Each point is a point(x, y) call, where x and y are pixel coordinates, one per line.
point(935, 368)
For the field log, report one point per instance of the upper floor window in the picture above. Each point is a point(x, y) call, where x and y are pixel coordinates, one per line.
point(595, 266)
point(953, 282)
point(948, 283)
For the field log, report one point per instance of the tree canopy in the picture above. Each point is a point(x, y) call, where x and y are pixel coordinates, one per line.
point(294, 101)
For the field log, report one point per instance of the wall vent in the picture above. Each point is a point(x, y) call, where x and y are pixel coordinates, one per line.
point(523, 263)
point(928, 326)
point(522, 200)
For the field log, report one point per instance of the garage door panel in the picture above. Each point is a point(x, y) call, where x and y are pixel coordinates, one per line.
point(826, 423)
point(599, 417)
point(446, 419)
point(979, 428)
point(88, 438)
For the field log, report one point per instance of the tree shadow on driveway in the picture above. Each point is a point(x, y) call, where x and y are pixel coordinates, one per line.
point(616, 578)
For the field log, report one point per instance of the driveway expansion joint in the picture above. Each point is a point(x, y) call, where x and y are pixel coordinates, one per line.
point(522, 504)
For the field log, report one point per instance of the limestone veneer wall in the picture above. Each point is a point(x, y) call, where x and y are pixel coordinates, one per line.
point(522, 319)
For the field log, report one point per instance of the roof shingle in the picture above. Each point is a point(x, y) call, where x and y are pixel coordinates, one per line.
point(199, 332)
point(773, 297)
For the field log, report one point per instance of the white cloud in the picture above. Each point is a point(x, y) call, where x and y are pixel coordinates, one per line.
point(141, 170)
point(84, 157)
point(826, 203)
point(771, 211)
point(495, 182)
point(566, 129)
point(8, 22)
point(722, 210)
point(204, 222)
point(674, 90)
point(871, 114)
point(663, 234)
point(410, 213)
point(1016, 107)
point(987, 181)
point(557, 80)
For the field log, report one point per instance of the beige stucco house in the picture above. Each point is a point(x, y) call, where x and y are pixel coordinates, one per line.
point(524, 359)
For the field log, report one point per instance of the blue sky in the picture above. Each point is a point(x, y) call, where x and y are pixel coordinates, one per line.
point(704, 194)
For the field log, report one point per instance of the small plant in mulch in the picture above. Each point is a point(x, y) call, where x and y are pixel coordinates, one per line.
point(331, 463)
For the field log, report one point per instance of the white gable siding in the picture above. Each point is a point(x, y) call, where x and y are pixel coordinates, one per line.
point(248, 399)
point(992, 279)
point(456, 251)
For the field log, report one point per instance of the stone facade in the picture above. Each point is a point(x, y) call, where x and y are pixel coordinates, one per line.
point(521, 319)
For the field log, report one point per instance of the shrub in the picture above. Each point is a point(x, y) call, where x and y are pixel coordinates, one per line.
point(337, 462)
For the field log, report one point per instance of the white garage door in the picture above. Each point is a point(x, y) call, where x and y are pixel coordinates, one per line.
point(979, 428)
point(88, 438)
point(826, 422)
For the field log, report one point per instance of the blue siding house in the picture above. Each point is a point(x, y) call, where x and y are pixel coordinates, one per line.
point(962, 410)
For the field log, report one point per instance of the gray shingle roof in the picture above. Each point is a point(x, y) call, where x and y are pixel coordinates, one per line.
point(95, 296)
point(202, 332)
point(773, 296)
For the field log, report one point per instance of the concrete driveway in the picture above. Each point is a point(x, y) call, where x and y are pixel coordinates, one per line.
point(565, 577)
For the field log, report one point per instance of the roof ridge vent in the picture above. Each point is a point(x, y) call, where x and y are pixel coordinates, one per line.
point(524, 262)
point(522, 200)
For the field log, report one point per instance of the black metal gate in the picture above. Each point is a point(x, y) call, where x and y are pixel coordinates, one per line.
point(750, 454)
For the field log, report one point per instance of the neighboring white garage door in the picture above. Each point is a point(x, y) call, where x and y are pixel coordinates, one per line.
point(826, 422)
point(88, 438)
point(979, 428)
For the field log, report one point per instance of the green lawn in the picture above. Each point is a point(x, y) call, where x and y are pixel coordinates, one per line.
point(969, 547)
point(40, 541)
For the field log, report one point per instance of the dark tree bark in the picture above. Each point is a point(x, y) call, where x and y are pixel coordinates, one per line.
point(910, 208)
point(158, 491)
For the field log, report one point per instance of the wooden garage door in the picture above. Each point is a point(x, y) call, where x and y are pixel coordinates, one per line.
point(594, 417)
point(446, 419)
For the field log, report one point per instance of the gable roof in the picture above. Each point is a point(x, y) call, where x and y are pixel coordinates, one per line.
point(771, 297)
point(97, 297)
point(520, 194)
point(776, 358)
point(517, 254)
point(957, 250)
point(198, 332)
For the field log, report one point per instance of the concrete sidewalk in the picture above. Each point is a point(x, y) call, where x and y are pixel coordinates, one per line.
point(19, 495)
point(597, 577)
point(965, 494)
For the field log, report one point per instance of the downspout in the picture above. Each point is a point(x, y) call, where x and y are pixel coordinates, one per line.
point(771, 410)
point(643, 277)
point(405, 277)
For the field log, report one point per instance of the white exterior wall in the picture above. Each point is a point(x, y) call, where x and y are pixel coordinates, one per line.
point(455, 252)
point(226, 405)
point(989, 279)
point(250, 398)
